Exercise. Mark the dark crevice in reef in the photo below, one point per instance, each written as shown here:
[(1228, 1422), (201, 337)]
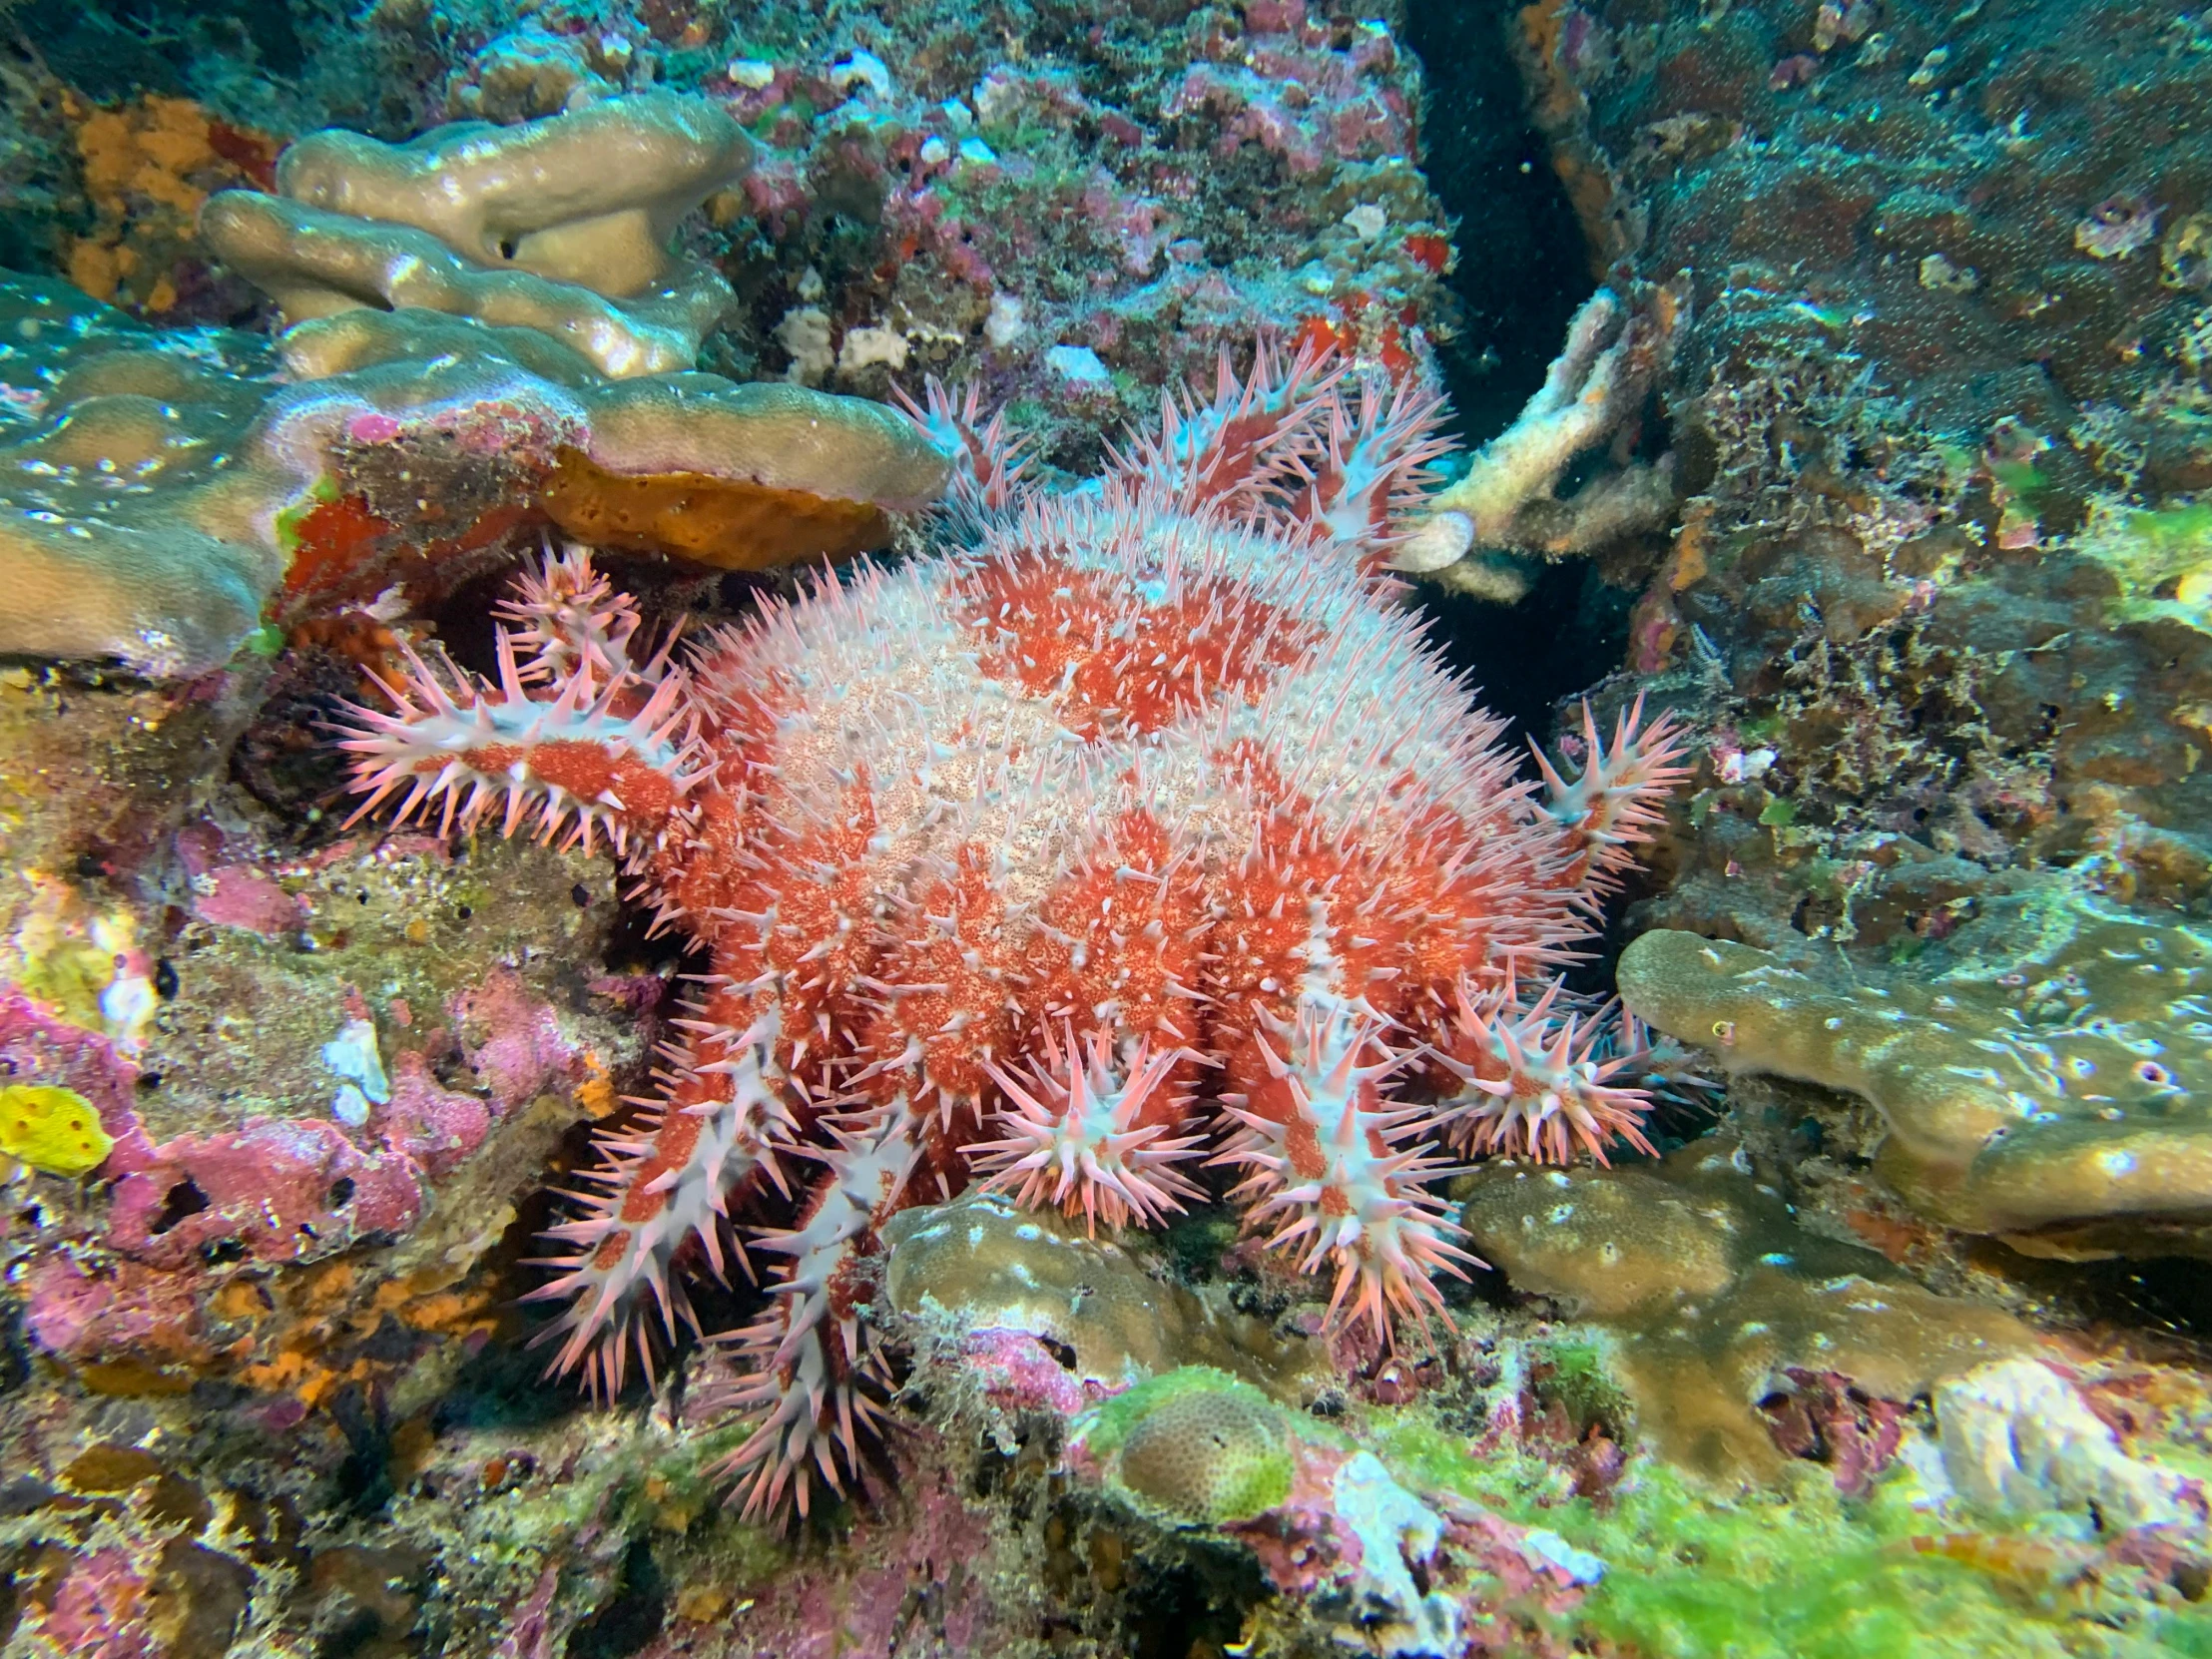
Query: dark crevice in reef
[(1524, 659), (2165, 1299), (1523, 267), (1197, 1607), (633, 1618)]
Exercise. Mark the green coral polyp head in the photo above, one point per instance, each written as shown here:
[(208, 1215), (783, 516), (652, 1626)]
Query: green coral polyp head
[(1195, 1445)]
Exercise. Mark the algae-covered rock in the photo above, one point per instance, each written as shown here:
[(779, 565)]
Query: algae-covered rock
[(1334, 1528), (2048, 1079)]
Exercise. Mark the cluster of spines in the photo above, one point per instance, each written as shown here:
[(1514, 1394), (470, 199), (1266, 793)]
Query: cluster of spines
[(1538, 1081), (1614, 802), (661, 1186), (591, 748), (808, 1373), (989, 463), (1085, 1133), (1339, 1175)]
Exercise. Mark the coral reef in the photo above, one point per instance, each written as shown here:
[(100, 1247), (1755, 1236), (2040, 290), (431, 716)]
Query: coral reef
[(2036, 1074), (1723, 1310), (1074, 210), (1089, 769), (1937, 416), (391, 1084), (1080, 1039), (1329, 1523), (982, 1270), (167, 493)]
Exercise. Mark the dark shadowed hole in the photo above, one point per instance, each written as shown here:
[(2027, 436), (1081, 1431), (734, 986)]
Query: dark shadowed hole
[(1186, 1610), (1568, 633), (1522, 266), (184, 1199), (633, 1617)]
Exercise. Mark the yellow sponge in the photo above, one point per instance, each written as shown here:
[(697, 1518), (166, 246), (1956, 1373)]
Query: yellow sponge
[(52, 1129)]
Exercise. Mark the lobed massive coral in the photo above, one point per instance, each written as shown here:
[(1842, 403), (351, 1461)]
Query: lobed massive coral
[(2038, 1077), (1139, 823), (434, 399), (562, 226)]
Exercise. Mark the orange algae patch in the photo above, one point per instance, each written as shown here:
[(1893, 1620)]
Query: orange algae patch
[(1365, 327), (596, 1094), (729, 523), (147, 164), (343, 548), (336, 539)]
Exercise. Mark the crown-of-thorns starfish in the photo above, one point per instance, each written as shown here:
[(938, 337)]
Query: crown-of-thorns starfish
[(1142, 821)]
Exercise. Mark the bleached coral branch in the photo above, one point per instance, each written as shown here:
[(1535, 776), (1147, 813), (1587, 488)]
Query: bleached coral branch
[(1616, 352)]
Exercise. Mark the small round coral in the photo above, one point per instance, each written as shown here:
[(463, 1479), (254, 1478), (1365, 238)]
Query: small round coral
[(1201, 1448)]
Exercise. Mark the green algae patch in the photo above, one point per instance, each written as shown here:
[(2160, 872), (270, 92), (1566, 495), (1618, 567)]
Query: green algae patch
[(1800, 1573), (1698, 1571), (1574, 1372), (2162, 561), (1195, 1445), (1787, 1574)]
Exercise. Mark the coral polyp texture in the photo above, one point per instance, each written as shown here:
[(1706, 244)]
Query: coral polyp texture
[(1137, 832)]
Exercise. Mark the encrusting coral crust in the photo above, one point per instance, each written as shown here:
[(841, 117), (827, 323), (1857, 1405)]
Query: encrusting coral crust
[(1145, 779)]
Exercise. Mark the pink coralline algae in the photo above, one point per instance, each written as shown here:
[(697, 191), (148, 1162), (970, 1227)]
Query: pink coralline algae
[(234, 893), (286, 1189), (71, 1311), (435, 1125), (99, 1611), (172, 1215), (1141, 832), (513, 1043), (1290, 90), (37, 1045)]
